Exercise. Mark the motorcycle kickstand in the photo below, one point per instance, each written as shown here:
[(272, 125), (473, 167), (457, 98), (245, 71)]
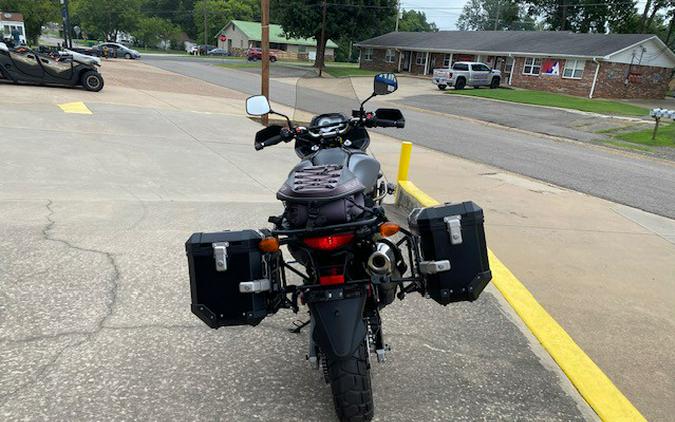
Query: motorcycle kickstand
[(299, 325)]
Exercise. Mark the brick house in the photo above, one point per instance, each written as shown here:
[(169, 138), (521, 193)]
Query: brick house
[(593, 65), (10, 24), (237, 36)]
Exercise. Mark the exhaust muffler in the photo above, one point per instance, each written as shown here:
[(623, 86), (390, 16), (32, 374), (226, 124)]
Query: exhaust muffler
[(383, 260)]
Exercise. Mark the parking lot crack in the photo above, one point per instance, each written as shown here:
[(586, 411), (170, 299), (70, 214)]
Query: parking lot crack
[(83, 336), (114, 279)]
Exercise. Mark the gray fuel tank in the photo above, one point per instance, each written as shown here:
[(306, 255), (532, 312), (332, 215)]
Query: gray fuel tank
[(364, 167)]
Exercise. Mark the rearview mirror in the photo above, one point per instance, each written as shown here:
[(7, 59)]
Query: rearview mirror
[(257, 105), (384, 83)]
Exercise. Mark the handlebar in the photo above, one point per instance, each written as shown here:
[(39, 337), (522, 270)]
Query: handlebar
[(375, 122), (268, 142)]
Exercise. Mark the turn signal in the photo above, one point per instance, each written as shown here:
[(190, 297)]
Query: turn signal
[(389, 229), (269, 244)]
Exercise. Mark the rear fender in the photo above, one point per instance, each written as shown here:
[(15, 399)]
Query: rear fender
[(339, 328)]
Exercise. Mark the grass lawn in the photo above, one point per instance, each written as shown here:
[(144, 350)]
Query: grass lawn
[(159, 51), (555, 100), (239, 65), (340, 71), (665, 137)]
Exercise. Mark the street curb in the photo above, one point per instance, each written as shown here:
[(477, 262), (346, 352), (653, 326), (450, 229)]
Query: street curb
[(591, 382)]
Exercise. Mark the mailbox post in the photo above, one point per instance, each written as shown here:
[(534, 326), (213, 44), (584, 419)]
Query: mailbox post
[(658, 114)]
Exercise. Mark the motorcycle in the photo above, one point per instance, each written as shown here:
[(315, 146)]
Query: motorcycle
[(350, 258)]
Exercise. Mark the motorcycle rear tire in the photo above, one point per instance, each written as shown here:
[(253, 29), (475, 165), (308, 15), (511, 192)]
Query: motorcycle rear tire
[(350, 384)]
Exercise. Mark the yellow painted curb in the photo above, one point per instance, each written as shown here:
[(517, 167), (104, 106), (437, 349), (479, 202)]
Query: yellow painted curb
[(593, 385), (77, 107)]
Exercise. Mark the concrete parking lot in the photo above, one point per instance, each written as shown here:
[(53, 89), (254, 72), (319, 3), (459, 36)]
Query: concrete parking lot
[(94, 296)]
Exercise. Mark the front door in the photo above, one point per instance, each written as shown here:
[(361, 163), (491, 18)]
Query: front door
[(60, 70), (407, 60), (229, 45)]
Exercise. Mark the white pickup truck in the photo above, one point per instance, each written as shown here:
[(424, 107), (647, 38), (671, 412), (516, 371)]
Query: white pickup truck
[(467, 73)]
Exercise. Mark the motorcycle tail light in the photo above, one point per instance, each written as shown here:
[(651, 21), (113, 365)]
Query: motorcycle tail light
[(328, 280), (329, 243), (331, 275)]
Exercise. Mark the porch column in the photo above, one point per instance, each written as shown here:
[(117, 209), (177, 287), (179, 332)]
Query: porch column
[(426, 64), (400, 58)]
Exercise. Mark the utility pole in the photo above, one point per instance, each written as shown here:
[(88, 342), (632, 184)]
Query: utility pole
[(265, 46), (398, 14), (499, 11), (206, 30), (322, 44), (67, 39)]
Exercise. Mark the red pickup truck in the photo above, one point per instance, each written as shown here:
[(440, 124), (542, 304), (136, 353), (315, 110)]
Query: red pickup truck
[(253, 54)]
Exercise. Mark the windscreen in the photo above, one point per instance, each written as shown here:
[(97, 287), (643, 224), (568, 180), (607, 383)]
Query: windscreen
[(324, 94)]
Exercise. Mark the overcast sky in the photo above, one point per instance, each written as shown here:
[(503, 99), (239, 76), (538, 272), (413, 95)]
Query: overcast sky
[(445, 12)]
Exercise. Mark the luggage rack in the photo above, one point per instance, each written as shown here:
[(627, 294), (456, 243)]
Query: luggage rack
[(416, 280)]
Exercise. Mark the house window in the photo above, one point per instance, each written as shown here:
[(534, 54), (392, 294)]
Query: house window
[(421, 59), (302, 49), (368, 54), (574, 69), (532, 66), (390, 55), (20, 29), (241, 43), (446, 60)]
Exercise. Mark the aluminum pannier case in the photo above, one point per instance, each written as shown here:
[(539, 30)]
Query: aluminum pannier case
[(232, 282), (454, 253)]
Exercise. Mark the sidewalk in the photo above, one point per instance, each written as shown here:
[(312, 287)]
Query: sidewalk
[(604, 271)]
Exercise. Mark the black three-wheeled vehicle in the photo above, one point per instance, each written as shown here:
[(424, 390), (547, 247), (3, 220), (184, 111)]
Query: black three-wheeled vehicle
[(23, 65)]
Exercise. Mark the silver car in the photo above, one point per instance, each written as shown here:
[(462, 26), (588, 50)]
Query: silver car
[(113, 49)]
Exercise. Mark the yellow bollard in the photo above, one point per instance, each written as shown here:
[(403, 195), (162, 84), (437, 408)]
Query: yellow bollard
[(404, 160)]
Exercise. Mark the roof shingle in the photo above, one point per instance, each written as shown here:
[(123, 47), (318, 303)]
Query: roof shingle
[(535, 42), (253, 31)]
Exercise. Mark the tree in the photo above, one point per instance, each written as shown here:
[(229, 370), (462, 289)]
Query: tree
[(107, 18), (414, 21), (153, 31), (583, 15), (36, 13), (499, 15), (178, 12), (220, 12), (352, 19)]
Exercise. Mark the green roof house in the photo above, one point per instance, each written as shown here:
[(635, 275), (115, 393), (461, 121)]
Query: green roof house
[(237, 36)]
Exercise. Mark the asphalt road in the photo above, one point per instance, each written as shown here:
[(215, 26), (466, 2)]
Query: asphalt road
[(562, 123), (628, 179), (94, 297)]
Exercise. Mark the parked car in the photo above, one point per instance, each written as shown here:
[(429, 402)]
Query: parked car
[(204, 49), (254, 53), (115, 50), (461, 74), (193, 49), (22, 65), (218, 52)]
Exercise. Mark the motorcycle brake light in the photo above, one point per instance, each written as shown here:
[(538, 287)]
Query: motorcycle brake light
[(329, 243), (327, 280)]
